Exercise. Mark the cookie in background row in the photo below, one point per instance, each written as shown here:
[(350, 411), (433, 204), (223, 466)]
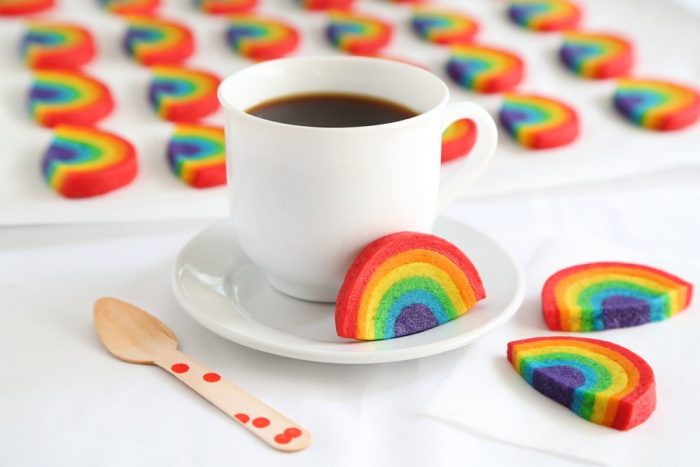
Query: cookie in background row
[(130, 7), (83, 162), (197, 156), (56, 45), (24, 7), (544, 15), (320, 5), (485, 69), (182, 94), (153, 41), (538, 122), (224, 7), (62, 96), (657, 104), (260, 37), (443, 26), (358, 34), (596, 55)]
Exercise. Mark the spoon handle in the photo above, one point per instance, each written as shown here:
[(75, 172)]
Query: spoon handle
[(257, 417)]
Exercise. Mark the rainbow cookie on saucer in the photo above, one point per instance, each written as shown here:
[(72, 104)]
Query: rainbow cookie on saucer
[(485, 69), (599, 381), (56, 45), (544, 15), (196, 155), (320, 5), (182, 94), (358, 34), (441, 26), (82, 162), (130, 7), (405, 283), (596, 55), (261, 38), (609, 295), (225, 7), (538, 122), (153, 41), (24, 7), (458, 139), (61, 96), (657, 105)]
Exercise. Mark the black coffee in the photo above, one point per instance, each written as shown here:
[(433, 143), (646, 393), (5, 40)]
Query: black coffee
[(331, 110)]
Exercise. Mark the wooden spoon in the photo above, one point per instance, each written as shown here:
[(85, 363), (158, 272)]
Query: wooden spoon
[(135, 336)]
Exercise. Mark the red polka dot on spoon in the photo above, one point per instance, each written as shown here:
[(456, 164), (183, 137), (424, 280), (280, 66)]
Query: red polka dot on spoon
[(211, 377), (180, 368), (261, 422), (283, 439), (241, 417)]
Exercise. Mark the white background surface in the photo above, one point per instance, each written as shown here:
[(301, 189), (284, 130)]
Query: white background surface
[(64, 401)]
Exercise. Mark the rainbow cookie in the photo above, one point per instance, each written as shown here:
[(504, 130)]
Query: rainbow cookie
[(442, 26), (538, 122), (83, 162), (358, 34), (485, 69), (196, 155), (405, 283), (458, 139), (326, 4), (597, 380), (596, 56), (153, 41), (544, 15), (225, 7), (598, 296), (24, 7), (130, 7), (182, 94), (657, 105), (56, 45), (261, 38), (68, 97)]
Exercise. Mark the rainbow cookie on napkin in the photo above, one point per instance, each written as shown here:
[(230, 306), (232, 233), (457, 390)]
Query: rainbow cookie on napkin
[(609, 295), (56, 45), (458, 139), (595, 55), (441, 26), (405, 283), (182, 94), (358, 34), (485, 69), (538, 122), (153, 41), (599, 381), (261, 38), (83, 162), (196, 155), (58, 96), (544, 15), (130, 7), (24, 7), (657, 105), (224, 7)]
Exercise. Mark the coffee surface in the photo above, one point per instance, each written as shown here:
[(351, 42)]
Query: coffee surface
[(331, 110)]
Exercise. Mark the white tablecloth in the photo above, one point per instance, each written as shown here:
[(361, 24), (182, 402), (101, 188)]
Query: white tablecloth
[(64, 401)]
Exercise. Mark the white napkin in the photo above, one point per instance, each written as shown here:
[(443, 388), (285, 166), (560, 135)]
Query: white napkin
[(484, 394)]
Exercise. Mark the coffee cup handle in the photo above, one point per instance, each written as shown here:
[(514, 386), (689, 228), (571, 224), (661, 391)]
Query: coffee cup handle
[(478, 158)]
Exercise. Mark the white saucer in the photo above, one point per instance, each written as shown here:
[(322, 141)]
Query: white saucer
[(221, 289)]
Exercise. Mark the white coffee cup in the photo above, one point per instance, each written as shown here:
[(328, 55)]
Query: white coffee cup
[(306, 200)]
